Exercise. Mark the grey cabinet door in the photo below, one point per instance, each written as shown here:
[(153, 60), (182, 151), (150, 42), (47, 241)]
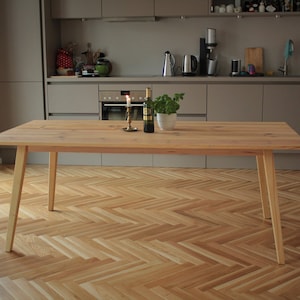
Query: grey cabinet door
[(282, 104), (21, 78), (76, 9), (175, 8), (20, 33), (193, 108), (234, 102), (194, 102), (20, 102), (127, 8)]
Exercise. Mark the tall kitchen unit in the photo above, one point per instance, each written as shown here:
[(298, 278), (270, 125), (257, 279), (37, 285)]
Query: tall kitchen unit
[(21, 76)]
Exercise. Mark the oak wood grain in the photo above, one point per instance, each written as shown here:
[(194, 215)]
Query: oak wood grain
[(187, 138), (199, 234)]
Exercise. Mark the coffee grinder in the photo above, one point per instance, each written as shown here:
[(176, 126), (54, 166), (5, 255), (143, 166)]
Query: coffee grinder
[(206, 59)]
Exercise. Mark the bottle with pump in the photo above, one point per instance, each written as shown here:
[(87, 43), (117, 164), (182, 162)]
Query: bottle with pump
[(148, 114)]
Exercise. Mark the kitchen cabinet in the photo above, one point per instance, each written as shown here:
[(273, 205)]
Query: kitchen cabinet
[(73, 100), (192, 107), (194, 102), (20, 51), (21, 79), (176, 8), (76, 9), (281, 104), (233, 102), (248, 9), (127, 8), (20, 103)]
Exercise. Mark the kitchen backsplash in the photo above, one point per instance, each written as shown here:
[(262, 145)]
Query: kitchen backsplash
[(137, 48)]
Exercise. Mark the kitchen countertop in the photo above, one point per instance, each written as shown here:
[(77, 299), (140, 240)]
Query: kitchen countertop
[(183, 79)]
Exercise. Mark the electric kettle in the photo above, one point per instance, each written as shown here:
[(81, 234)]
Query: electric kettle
[(169, 64), (189, 65)]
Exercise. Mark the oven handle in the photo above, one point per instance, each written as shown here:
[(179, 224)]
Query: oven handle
[(122, 104)]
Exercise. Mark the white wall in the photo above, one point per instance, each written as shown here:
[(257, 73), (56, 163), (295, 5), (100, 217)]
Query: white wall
[(137, 48)]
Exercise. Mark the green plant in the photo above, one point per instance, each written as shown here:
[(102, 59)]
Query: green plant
[(165, 104)]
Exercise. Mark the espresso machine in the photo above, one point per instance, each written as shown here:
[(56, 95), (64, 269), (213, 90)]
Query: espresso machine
[(207, 58)]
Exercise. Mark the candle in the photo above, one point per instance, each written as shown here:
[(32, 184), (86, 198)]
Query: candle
[(128, 101)]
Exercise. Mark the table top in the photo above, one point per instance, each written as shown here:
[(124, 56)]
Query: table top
[(189, 137)]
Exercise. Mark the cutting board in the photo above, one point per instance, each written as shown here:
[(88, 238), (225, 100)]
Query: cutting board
[(255, 56)]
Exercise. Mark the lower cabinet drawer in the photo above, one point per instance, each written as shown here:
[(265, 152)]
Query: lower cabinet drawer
[(73, 117), (72, 98)]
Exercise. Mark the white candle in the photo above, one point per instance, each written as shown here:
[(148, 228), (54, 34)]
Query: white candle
[(128, 101)]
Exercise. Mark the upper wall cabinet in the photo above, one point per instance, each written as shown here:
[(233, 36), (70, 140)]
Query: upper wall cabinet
[(177, 8), (127, 8), (254, 7), (76, 9)]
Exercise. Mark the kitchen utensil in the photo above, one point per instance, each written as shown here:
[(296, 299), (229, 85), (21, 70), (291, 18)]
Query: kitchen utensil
[(254, 56), (289, 49), (169, 64), (212, 66), (235, 67), (103, 66), (288, 52), (189, 65)]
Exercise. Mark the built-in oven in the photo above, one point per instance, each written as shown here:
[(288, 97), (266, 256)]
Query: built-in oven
[(113, 105)]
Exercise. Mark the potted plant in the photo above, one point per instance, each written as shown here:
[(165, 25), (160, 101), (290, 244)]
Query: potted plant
[(166, 108)]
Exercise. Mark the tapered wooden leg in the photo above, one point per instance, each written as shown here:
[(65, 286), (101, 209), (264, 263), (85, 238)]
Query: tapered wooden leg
[(19, 171), (268, 160), (263, 186), (52, 179)]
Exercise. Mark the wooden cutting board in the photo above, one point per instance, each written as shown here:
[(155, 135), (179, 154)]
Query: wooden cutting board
[(255, 56)]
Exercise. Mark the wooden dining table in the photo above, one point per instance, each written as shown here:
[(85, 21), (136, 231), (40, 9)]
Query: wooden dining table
[(259, 139)]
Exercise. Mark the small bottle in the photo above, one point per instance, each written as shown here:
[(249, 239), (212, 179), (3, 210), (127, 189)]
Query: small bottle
[(148, 115), (261, 7)]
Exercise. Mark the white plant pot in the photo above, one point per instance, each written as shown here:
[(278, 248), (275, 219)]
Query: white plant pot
[(165, 121)]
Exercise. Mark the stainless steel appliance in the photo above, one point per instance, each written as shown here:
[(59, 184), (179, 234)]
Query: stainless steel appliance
[(207, 47), (235, 67), (169, 64), (189, 65), (112, 103)]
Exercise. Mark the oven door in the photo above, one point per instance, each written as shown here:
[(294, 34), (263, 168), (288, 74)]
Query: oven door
[(118, 111)]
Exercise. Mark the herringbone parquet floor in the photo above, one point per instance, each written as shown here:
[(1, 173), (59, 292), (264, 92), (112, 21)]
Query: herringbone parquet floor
[(148, 233)]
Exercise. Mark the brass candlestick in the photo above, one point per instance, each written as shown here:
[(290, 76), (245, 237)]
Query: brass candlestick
[(129, 128)]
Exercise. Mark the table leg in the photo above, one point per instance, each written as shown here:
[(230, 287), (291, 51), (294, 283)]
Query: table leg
[(270, 176), (263, 186), (19, 172), (52, 179)]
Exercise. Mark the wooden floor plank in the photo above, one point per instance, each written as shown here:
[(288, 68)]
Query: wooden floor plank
[(148, 233)]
